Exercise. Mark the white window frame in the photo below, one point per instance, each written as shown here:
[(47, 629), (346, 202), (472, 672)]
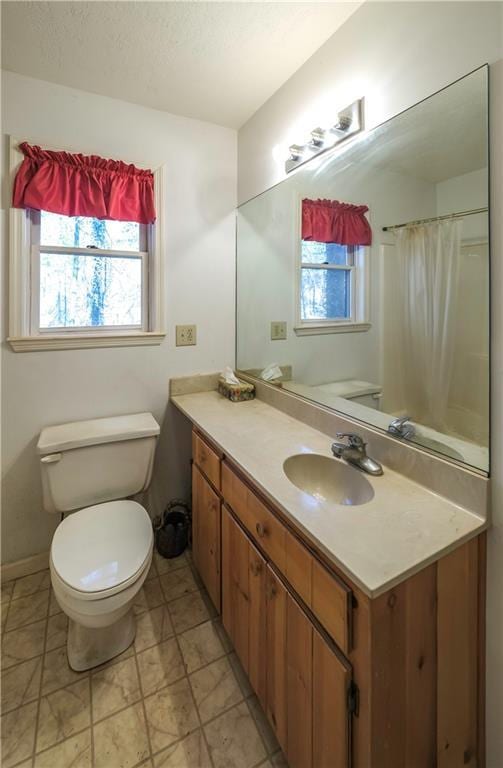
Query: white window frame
[(359, 320), (24, 332)]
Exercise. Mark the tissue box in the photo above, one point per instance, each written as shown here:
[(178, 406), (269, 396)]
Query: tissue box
[(236, 392)]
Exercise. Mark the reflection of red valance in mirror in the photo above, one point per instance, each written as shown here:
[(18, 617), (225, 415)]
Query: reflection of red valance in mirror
[(328, 221), (79, 185)]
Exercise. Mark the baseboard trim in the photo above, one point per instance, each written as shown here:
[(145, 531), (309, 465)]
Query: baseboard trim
[(25, 567)]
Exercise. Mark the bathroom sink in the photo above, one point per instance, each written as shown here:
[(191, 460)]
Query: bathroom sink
[(436, 445), (328, 479)]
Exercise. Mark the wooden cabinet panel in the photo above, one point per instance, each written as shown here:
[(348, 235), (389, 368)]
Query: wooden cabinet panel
[(244, 601), (331, 604), (298, 571), (276, 657), (206, 534), (206, 459), (299, 687), (331, 679), (262, 525)]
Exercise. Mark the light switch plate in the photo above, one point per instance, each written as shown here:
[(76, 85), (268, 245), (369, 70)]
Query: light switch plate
[(186, 335), (278, 330)]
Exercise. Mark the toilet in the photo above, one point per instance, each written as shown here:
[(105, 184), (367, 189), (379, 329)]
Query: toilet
[(101, 552)]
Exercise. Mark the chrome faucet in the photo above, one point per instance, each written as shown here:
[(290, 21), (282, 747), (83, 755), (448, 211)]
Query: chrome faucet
[(402, 428), (354, 453)]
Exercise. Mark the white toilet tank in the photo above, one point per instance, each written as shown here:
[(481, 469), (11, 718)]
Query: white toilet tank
[(89, 462)]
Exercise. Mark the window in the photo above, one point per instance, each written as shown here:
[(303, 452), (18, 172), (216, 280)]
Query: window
[(88, 274), (77, 281), (331, 288)]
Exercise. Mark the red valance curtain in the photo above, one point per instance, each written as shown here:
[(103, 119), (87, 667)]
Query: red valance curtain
[(328, 221), (80, 185)]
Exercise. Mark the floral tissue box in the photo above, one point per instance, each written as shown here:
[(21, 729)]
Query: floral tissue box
[(236, 392)]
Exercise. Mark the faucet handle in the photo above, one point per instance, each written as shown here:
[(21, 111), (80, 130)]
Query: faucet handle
[(355, 441), (400, 421)]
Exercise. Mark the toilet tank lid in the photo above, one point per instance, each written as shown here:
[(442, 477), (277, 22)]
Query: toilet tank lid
[(65, 437)]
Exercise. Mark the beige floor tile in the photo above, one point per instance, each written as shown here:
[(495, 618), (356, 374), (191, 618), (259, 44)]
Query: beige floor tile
[(35, 582), (165, 565), (18, 734), (54, 605), (57, 630), (27, 610), (153, 627), (215, 689), (265, 730), (149, 597), (21, 684), (200, 646), (63, 713), (115, 688), (4, 608), (171, 714), (191, 752), (121, 741), (160, 665), (152, 571), (178, 583), (234, 740), (22, 644), (6, 591), (57, 672), (188, 611), (76, 752)]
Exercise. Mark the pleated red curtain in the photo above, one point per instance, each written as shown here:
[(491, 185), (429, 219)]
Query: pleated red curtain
[(329, 221), (80, 185)]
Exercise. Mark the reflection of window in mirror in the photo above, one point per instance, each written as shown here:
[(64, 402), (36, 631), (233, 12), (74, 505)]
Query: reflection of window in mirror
[(332, 288)]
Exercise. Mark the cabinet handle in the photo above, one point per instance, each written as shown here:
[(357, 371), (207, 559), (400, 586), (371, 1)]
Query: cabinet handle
[(261, 531)]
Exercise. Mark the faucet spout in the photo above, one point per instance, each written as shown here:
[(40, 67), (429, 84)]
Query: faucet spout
[(354, 452)]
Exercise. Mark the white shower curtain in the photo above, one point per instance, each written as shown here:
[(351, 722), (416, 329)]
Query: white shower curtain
[(428, 258)]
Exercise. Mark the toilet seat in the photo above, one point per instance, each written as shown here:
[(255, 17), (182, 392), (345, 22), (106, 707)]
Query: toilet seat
[(102, 550)]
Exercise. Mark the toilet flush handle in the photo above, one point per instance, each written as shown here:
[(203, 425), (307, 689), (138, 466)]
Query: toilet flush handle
[(52, 458)]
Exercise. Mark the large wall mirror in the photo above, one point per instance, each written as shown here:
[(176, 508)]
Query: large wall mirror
[(363, 278)]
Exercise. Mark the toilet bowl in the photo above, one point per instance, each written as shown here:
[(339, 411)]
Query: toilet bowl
[(100, 554), (100, 557)]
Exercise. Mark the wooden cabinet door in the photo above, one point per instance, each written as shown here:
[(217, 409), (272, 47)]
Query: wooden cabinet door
[(206, 534), (299, 686), (331, 679), (275, 706), (244, 601)]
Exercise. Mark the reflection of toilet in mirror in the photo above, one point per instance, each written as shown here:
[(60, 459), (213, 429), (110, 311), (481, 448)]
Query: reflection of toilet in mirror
[(101, 554)]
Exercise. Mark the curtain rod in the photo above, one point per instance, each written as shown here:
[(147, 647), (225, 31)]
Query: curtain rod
[(436, 218)]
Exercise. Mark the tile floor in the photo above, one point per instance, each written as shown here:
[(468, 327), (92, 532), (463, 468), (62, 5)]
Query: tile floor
[(178, 698)]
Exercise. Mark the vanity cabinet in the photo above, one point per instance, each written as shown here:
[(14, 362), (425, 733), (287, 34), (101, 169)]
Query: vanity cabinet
[(392, 681), (206, 519), (298, 678)]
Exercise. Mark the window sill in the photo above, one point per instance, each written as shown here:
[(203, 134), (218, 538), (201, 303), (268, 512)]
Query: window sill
[(319, 330), (52, 342)]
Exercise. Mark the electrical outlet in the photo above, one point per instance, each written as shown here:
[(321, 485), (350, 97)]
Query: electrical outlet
[(278, 330), (186, 335)]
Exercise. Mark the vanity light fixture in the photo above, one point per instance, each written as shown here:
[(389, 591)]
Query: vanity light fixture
[(349, 122)]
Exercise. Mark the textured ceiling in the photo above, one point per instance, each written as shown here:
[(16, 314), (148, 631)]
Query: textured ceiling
[(215, 61)]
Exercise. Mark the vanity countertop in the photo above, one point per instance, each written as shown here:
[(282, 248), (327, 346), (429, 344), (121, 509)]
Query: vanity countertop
[(377, 544)]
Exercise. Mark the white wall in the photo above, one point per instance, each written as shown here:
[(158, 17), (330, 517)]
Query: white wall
[(41, 388), (393, 54), (396, 54)]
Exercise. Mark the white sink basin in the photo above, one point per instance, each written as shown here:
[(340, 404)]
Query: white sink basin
[(328, 479)]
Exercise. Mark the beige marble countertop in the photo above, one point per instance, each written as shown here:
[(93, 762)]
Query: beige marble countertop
[(378, 544)]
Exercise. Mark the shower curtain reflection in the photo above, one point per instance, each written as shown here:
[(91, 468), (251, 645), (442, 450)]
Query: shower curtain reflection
[(428, 279)]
